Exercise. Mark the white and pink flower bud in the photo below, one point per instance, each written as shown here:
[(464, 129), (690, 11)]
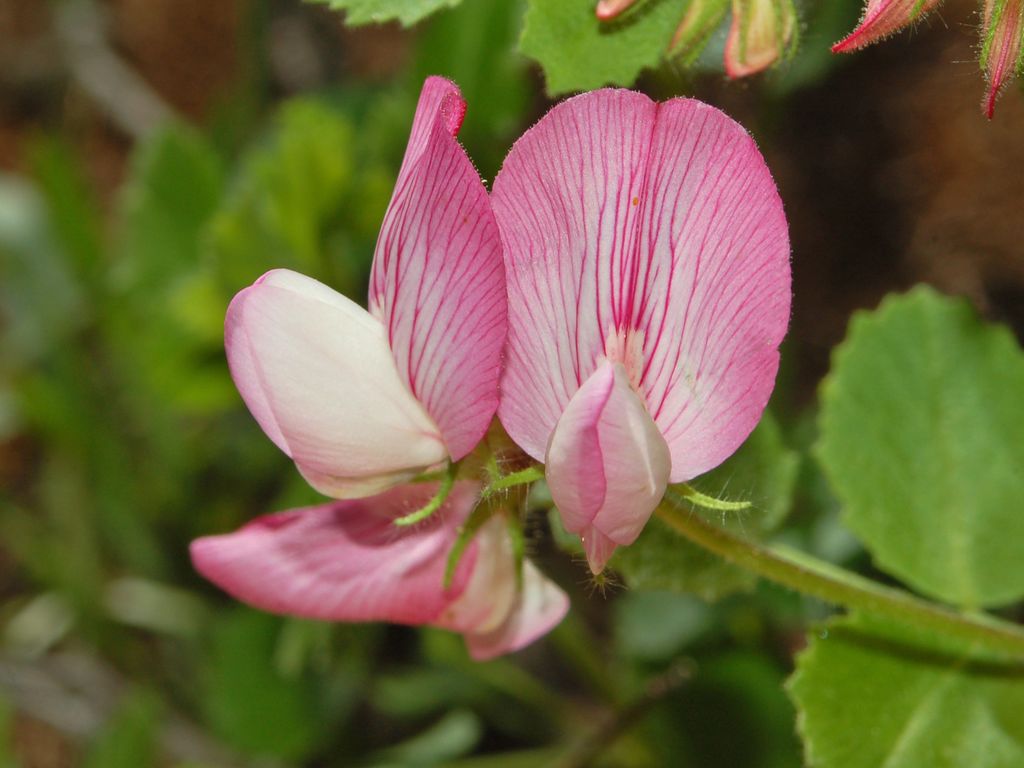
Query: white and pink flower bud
[(762, 32)]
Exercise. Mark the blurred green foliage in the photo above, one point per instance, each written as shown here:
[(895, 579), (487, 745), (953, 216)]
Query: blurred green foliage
[(122, 439)]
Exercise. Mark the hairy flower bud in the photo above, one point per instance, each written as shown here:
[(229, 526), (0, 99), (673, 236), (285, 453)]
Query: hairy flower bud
[(1001, 47)]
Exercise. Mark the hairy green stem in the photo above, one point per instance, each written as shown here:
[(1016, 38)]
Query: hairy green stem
[(693, 496), (522, 477), (439, 498), (814, 577)]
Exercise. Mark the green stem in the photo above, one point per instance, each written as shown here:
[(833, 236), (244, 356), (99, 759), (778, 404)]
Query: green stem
[(439, 498), (522, 477), (480, 515), (693, 496), (836, 585)]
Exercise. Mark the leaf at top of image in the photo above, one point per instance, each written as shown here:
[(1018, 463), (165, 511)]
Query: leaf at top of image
[(578, 52), (921, 424), (406, 12), (873, 694)]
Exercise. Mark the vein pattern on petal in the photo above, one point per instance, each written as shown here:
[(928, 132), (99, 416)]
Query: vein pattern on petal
[(658, 222), (437, 282)]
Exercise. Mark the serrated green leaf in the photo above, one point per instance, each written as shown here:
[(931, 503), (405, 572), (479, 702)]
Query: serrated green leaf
[(871, 694), (921, 438), (406, 12), (578, 52), (762, 471)]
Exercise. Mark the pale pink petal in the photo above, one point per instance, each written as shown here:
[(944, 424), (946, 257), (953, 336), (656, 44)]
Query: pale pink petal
[(1002, 50), (316, 371), (438, 280), (345, 561), (883, 18), (491, 592), (607, 465), (539, 608), (652, 234)]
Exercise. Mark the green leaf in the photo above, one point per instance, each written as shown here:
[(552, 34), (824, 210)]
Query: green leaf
[(248, 702), (40, 298), (921, 438), (871, 694), (762, 471), (288, 193), (73, 211), (175, 187), (407, 12), (7, 758), (578, 52), (654, 626), (453, 736), (128, 740)]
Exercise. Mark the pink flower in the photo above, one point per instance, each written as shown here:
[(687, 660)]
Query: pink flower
[(881, 19), (364, 400), (1002, 47), (347, 561), (647, 259)]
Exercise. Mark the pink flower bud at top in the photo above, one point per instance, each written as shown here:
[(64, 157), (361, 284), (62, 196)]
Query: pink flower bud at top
[(762, 32), (1001, 47), (883, 18)]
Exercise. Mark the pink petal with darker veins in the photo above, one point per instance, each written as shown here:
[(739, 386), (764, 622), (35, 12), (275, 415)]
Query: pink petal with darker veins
[(655, 230), (438, 281), (345, 561), (607, 465)]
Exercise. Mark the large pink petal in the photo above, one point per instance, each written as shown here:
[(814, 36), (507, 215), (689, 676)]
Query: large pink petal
[(316, 371), (651, 234), (438, 279), (540, 606), (345, 561), (607, 465)]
